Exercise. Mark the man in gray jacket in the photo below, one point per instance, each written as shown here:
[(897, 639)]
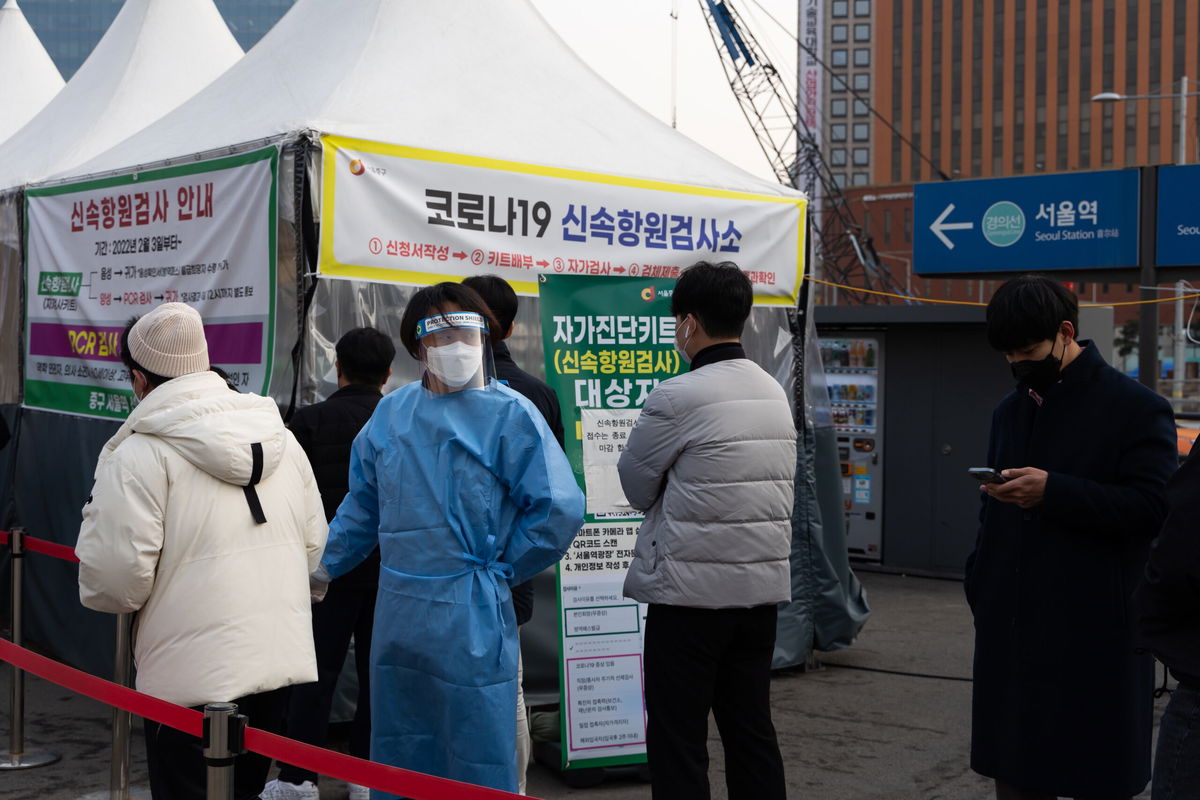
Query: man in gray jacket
[(711, 461)]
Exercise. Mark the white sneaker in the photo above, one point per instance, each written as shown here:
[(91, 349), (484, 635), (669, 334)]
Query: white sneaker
[(358, 792), (282, 790)]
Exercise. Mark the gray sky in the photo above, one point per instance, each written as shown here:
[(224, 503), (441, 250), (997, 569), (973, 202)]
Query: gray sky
[(629, 43)]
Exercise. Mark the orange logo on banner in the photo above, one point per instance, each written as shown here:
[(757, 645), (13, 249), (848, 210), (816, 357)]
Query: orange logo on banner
[(648, 294), (357, 167)]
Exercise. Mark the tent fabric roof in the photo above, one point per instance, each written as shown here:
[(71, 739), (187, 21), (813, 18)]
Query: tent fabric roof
[(33, 78), (155, 55), (488, 79)]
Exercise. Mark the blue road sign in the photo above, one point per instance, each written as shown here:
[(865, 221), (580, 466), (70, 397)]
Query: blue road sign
[(1178, 243), (1077, 220)]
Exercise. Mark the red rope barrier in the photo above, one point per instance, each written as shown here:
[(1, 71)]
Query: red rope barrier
[(107, 692), (325, 762), (366, 773), (53, 549)]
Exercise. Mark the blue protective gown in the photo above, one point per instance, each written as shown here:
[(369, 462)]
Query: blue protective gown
[(465, 494)]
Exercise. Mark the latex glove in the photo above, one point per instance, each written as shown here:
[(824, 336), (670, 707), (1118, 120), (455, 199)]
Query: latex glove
[(318, 584)]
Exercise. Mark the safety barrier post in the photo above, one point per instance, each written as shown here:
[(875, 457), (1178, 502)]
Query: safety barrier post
[(224, 739), (121, 720), (17, 757)]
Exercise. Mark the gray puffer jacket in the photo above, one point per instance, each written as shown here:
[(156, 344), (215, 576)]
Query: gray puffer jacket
[(712, 460)]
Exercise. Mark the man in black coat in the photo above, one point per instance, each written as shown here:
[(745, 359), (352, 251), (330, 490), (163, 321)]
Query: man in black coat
[(1168, 606), (326, 430), (502, 300), (1062, 703)]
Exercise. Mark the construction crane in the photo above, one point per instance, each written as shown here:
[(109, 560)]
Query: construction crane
[(842, 249)]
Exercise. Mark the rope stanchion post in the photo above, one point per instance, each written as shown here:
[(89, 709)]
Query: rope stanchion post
[(121, 719), (17, 758), (224, 739)]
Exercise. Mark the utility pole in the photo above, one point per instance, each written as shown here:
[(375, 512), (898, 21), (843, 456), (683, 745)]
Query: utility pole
[(1180, 358)]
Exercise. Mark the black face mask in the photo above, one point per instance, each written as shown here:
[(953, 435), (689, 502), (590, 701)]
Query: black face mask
[(1038, 375)]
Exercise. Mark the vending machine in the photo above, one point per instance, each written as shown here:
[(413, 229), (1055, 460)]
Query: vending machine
[(854, 372)]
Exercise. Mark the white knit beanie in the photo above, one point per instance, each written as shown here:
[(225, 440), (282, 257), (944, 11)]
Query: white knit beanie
[(169, 341)]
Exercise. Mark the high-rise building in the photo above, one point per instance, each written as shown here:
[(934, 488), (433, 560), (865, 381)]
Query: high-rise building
[(849, 52), (989, 88), (69, 29)]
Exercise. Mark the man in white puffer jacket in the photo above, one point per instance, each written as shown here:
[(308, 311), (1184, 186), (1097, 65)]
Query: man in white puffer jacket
[(205, 519), (712, 461)]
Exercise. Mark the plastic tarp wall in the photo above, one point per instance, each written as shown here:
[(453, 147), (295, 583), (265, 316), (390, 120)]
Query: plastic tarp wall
[(10, 343), (11, 312), (829, 605), (56, 458)]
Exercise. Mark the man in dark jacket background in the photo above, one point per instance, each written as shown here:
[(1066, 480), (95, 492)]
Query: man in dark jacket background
[(326, 430), (1061, 702), (1168, 606), (502, 300)]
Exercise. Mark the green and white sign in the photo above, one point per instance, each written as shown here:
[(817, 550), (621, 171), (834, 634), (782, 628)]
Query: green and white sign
[(608, 342), (100, 252), (1003, 223)]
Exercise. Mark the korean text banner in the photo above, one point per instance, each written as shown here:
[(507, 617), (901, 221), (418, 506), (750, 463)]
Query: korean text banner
[(100, 252), (421, 216), (608, 343)]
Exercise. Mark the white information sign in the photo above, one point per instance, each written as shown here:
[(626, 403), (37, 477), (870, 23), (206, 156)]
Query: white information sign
[(605, 431), (602, 647), (100, 252), (416, 216)]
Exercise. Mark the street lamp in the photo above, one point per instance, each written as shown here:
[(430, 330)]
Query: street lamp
[(1148, 329), (1183, 94)]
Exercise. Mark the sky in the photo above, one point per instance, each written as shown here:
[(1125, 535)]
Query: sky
[(628, 42)]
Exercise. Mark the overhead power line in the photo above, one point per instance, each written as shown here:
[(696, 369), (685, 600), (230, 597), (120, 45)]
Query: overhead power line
[(866, 102)]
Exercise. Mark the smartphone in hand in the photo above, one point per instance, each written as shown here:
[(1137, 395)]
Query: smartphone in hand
[(986, 475)]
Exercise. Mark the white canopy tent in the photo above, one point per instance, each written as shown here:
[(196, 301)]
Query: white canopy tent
[(489, 79), (22, 56), (155, 55)]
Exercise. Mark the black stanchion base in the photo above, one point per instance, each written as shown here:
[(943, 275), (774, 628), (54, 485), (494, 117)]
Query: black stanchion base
[(549, 755), (27, 760)]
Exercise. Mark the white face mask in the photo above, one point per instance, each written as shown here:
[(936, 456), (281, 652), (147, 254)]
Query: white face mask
[(681, 349), (456, 363)]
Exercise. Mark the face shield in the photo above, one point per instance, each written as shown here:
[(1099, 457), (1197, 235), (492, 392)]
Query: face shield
[(456, 352)]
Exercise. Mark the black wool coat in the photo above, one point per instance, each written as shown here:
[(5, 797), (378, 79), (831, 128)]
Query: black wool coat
[(326, 430), (1168, 600), (1062, 702)]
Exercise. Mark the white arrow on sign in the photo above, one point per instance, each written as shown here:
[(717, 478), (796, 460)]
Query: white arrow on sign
[(939, 225)]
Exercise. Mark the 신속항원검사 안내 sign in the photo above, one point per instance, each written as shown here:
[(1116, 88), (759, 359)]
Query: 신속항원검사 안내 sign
[(100, 252)]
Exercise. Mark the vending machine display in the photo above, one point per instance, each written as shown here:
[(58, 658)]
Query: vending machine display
[(854, 370)]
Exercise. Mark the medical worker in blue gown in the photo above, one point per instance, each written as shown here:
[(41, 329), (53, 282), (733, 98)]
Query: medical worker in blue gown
[(460, 482)]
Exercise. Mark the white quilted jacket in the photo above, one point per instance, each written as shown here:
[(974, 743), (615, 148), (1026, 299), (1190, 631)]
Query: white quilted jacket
[(222, 603)]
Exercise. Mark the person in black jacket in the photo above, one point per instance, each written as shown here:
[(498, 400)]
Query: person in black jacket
[(502, 300), (1061, 701), (1168, 606), (326, 430)]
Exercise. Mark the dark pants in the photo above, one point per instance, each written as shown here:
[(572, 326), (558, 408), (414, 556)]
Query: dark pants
[(1177, 758), (697, 660), (346, 610), (176, 760)]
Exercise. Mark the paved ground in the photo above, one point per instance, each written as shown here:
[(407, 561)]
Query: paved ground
[(888, 718)]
